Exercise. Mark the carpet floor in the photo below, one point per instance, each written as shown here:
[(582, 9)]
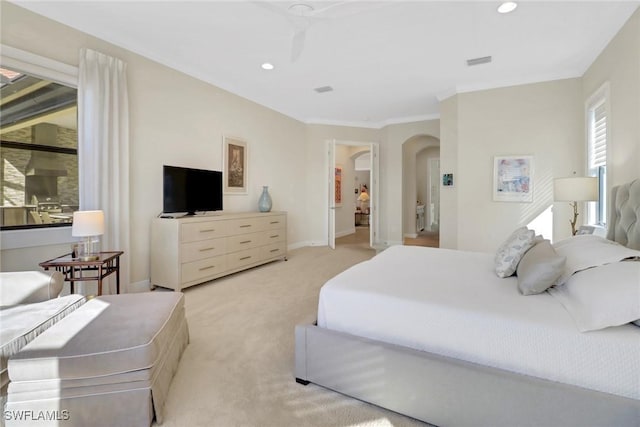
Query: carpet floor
[(238, 367)]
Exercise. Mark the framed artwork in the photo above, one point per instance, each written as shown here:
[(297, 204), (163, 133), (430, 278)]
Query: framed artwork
[(234, 165), (447, 179), (338, 189), (512, 179)]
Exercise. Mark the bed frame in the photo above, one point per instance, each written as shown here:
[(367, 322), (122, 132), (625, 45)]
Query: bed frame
[(450, 392)]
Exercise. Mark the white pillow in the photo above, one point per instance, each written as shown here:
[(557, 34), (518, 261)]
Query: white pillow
[(587, 251), (539, 269), (511, 251), (601, 297)]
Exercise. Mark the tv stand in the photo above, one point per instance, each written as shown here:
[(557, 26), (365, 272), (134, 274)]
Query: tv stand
[(194, 249)]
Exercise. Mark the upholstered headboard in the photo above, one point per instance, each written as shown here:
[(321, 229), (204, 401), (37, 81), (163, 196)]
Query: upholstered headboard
[(624, 215)]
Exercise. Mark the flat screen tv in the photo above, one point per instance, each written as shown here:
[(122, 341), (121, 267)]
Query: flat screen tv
[(191, 190)]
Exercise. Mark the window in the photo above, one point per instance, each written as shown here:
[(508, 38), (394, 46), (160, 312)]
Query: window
[(597, 134), (38, 151)]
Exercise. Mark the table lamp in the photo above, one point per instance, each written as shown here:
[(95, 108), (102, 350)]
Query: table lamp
[(363, 198), (575, 189), (87, 224)]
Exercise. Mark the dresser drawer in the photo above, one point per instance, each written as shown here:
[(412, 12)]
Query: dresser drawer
[(203, 230), (273, 236), (273, 222), (203, 268), (242, 258), (203, 249), (243, 241), (273, 251), (243, 226)]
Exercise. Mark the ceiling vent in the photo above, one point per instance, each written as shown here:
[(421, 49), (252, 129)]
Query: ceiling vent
[(478, 61), (323, 89)]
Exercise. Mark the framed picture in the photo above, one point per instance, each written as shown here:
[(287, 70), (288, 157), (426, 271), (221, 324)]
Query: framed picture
[(234, 165), (338, 193), (447, 179), (512, 179)]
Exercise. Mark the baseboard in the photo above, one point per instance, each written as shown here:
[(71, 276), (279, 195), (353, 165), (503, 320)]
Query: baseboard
[(299, 245), (345, 232), (411, 235)]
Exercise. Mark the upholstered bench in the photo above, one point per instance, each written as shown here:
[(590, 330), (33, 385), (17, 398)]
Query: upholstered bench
[(108, 363)]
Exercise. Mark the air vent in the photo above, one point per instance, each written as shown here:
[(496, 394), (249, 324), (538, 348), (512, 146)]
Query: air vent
[(478, 61), (323, 89)]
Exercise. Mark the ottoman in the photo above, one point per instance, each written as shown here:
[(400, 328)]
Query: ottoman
[(109, 363)]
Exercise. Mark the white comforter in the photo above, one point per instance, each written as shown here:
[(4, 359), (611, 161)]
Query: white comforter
[(453, 304)]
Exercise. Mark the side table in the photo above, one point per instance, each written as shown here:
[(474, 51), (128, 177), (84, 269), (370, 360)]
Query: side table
[(73, 269)]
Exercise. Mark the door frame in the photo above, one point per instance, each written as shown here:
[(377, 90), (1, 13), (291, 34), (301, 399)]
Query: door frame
[(374, 174)]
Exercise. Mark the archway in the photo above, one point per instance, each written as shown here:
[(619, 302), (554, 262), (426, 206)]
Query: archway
[(420, 190)]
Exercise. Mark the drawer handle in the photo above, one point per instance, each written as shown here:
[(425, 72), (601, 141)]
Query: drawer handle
[(274, 222), (274, 236), (208, 230), (274, 250), (243, 258), (244, 242), (245, 226), (206, 249), (207, 268)]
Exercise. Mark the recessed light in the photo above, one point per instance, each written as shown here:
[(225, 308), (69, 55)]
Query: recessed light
[(507, 7), (323, 89), (267, 66)]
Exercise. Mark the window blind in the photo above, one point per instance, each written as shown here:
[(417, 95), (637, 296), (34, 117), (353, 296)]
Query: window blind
[(598, 140)]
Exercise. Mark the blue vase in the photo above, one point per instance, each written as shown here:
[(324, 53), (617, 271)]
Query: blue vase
[(264, 204)]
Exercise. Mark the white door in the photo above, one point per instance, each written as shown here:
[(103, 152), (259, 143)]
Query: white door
[(331, 161)]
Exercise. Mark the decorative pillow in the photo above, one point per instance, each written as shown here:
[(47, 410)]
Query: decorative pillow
[(601, 297), (587, 251), (511, 251), (539, 269)]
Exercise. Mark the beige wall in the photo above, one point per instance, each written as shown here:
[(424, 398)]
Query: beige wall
[(449, 164), (178, 120), (619, 64), (543, 120)]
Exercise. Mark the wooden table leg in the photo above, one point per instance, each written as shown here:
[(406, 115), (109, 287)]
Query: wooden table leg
[(117, 275), (99, 280)]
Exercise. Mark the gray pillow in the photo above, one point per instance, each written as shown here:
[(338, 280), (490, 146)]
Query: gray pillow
[(509, 253), (539, 269)]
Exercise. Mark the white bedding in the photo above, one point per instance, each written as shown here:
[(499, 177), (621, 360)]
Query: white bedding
[(453, 304)]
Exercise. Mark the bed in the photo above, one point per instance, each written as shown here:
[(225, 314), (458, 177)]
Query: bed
[(435, 334)]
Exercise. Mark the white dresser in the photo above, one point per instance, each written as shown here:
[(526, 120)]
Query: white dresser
[(191, 250)]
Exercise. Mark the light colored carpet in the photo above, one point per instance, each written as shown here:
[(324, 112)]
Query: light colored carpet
[(238, 367)]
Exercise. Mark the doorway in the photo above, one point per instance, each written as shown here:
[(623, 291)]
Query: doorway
[(352, 202), (421, 191)]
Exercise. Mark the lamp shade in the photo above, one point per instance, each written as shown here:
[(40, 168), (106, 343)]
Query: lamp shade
[(87, 223), (575, 189), (363, 197)]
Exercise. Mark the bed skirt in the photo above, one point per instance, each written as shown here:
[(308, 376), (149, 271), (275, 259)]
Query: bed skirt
[(446, 391)]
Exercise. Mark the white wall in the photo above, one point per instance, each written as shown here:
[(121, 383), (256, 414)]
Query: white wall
[(619, 64)]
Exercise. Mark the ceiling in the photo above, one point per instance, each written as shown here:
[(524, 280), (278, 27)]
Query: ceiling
[(387, 62)]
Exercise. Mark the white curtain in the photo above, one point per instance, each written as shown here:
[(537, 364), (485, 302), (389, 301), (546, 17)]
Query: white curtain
[(103, 150)]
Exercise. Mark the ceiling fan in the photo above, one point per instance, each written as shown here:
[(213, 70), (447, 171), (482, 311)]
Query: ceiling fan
[(302, 15)]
